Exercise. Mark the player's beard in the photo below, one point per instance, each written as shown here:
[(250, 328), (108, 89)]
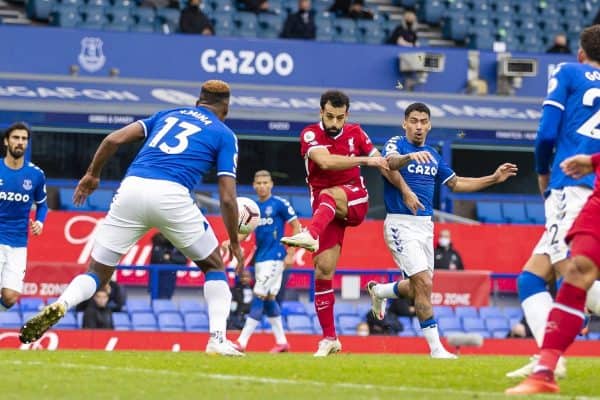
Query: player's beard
[(16, 152), (332, 132)]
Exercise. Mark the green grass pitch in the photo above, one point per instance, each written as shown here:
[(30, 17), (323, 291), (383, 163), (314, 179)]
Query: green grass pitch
[(91, 375)]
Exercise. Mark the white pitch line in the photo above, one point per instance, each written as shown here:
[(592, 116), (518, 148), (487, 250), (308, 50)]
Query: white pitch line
[(283, 381)]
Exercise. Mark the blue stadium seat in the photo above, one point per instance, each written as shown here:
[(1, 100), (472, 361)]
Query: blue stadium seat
[(466, 312), (119, 15), (443, 311), (344, 30), (363, 308), (224, 26), (170, 321), (245, 21), (302, 205), (489, 211), (348, 323), (160, 306), (69, 321), (138, 306), (98, 3), (197, 322), (431, 12), (143, 321), (141, 27), (514, 213), (406, 323), (10, 320), (370, 31), (342, 307), (31, 303), (65, 16), (535, 213), (191, 305), (525, 8), (121, 321), (144, 15), (449, 324), (317, 326), (497, 324), (310, 309), (473, 324), (455, 28), (499, 334), (490, 311), (93, 15), (270, 25), (513, 312), (123, 4), (39, 9), (100, 200), (324, 31), (481, 39), (300, 324), (292, 308), (532, 44), (117, 26), (169, 17)]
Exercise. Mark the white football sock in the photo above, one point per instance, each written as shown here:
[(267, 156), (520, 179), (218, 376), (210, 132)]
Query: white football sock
[(432, 336), (593, 298), (218, 300), (536, 309), (277, 328), (386, 290), (247, 331), (81, 288)]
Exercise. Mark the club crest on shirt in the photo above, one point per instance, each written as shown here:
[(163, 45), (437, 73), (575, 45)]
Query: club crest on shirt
[(268, 210), (351, 145), (27, 185), (309, 136)]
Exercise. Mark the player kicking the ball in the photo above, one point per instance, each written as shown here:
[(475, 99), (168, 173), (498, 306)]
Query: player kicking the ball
[(333, 151)]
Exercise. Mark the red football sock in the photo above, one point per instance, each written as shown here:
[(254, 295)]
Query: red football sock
[(564, 323), (324, 214), (324, 301)]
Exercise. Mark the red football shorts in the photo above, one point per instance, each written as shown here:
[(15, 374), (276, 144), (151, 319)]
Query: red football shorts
[(584, 235), (358, 205)]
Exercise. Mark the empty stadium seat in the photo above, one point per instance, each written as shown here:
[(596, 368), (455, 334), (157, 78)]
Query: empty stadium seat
[(449, 324), (514, 213), (224, 26), (317, 326), (344, 30), (513, 312), (497, 324), (138, 306), (10, 320), (191, 305), (121, 321), (455, 28), (370, 31), (491, 311), (168, 17), (535, 212), (69, 321), (443, 311), (471, 324), (164, 306), (489, 211), (144, 15), (196, 322), (348, 323), (270, 25), (143, 321), (292, 308), (39, 9), (170, 321), (466, 312), (300, 324), (431, 12), (342, 307), (31, 303)]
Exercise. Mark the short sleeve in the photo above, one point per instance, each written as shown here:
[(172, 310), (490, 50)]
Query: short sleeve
[(366, 146), (558, 86), (391, 147), (227, 156), (149, 123), (308, 141), (287, 211), (444, 171)]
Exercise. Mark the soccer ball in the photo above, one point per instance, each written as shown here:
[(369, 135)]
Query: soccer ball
[(249, 215)]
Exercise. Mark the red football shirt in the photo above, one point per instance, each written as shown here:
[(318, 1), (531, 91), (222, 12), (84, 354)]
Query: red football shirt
[(351, 141)]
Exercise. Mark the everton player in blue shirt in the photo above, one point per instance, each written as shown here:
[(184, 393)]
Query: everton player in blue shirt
[(569, 126), (270, 260), (21, 185), (181, 145), (408, 226)]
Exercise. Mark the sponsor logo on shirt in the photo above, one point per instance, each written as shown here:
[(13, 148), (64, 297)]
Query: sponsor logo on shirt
[(12, 196)]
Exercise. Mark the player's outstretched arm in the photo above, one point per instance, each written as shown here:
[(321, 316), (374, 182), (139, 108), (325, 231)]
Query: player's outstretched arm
[(579, 165), (133, 132), (327, 161), (462, 184), (229, 212), (397, 161)]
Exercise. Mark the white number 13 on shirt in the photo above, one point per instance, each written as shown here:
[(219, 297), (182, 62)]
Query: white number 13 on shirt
[(182, 137)]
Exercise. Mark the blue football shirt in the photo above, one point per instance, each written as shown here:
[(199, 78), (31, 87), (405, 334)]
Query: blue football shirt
[(19, 189), (421, 178), (275, 212), (182, 144), (574, 88)]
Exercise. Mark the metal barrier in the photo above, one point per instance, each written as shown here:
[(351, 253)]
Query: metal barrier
[(389, 274)]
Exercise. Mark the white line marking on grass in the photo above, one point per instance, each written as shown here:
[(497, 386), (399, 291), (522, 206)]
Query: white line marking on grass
[(283, 381)]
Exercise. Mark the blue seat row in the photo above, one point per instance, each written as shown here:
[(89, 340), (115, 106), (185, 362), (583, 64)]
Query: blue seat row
[(510, 212)]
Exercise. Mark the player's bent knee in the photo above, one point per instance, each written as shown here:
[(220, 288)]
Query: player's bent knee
[(105, 256), (10, 297)]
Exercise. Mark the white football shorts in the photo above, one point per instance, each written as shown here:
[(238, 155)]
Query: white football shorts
[(141, 204), (13, 261), (561, 208), (267, 277), (410, 239)]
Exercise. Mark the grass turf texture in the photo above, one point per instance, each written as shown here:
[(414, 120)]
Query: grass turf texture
[(164, 375)]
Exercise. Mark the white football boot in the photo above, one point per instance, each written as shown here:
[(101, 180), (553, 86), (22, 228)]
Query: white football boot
[(327, 347), (560, 371), (302, 239), (377, 304), (223, 348)]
